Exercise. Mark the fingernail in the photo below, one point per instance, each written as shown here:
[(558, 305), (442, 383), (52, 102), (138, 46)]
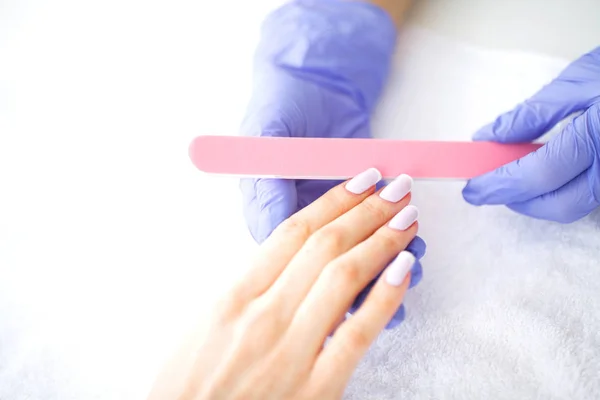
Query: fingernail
[(396, 190), (405, 218), (399, 268), (363, 181)]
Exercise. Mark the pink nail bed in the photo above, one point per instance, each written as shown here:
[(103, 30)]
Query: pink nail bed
[(396, 190), (363, 181), (399, 268), (405, 218)]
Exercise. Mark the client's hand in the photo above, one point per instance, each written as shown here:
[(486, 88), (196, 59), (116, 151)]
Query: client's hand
[(266, 340)]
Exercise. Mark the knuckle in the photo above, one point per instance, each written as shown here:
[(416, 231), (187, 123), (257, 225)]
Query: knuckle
[(346, 272), (228, 307), (257, 319), (335, 198), (255, 312), (375, 209), (384, 303), (356, 338), (293, 227), (332, 239), (389, 239)]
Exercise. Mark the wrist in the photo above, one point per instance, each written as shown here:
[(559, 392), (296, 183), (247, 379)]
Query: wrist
[(396, 9), (345, 45)]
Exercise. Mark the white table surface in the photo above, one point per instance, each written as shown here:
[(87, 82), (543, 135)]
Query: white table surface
[(557, 28), (110, 241)]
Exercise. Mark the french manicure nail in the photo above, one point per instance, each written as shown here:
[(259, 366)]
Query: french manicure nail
[(405, 218), (396, 190), (363, 181), (399, 268)]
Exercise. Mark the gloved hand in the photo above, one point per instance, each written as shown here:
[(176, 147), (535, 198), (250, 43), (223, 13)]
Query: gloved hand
[(560, 181), (319, 69)]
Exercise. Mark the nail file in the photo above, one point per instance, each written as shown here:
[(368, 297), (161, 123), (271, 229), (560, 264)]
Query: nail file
[(328, 158)]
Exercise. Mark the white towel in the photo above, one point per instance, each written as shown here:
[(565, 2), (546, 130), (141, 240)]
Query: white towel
[(509, 307)]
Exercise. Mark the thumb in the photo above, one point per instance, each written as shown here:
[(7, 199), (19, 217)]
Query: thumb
[(575, 89), (562, 159), (267, 203)]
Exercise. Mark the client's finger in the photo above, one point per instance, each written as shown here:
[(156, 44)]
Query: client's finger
[(335, 239), (353, 338)]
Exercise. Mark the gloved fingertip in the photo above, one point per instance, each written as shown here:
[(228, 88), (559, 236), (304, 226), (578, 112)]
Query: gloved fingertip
[(417, 247), (362, 295), (267, 203), (485, 133), (472, 194), (416, 274), (269, 219), (263, 229), (397, 319)]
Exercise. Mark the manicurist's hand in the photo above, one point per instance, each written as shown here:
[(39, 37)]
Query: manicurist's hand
[(319, 70), (561, 181), (266, 340)]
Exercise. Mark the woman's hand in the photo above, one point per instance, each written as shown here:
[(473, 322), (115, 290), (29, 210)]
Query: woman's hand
[(266, 340)]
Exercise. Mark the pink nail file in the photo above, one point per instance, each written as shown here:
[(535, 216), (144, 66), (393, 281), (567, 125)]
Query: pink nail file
[(319, 158)]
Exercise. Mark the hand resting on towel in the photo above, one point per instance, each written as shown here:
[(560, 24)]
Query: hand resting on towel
[(281, 331)]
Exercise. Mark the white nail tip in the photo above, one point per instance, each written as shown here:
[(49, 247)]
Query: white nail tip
[(363, 181), (399, 268), (396, 190), (405, 218)]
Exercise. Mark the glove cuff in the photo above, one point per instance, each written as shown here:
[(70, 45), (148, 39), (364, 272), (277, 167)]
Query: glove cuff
[(342, 45)]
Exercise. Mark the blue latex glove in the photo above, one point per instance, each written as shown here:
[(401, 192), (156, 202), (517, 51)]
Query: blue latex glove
[(319, 69), (561, 181)]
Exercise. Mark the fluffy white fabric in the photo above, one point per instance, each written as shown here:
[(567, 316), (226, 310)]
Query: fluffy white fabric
[(509, 307)]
